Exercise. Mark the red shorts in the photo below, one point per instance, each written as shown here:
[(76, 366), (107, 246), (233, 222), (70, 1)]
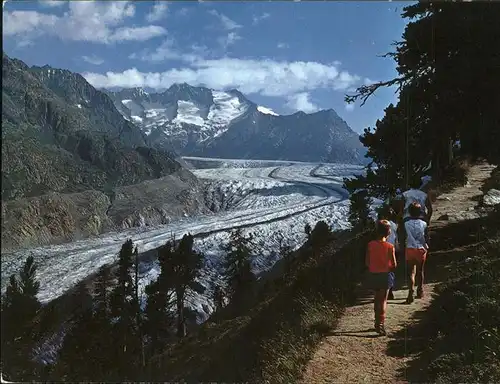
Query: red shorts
[(415, 254)]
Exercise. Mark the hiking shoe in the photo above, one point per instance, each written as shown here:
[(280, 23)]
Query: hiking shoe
[(390, 296), (381, 330), (409, 299)]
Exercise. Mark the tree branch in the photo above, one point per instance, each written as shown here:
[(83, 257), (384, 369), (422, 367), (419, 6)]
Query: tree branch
[(365, 91)]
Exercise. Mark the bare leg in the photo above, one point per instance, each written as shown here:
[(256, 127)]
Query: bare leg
[(381, 300), (383, 305), (411, 267), (420, 278)]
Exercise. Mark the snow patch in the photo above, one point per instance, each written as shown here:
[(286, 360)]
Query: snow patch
[(226, 108), (79, 106), (266, 111), (188, 113)]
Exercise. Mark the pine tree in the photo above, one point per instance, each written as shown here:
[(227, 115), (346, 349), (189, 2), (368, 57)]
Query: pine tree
[(286, 254), (219, 297), (183, 265), (448, 79), (102, 296), (102, 347), (307, 230), (321, 234), (159, 302), (123, 308), (19, 307), (76, 360), (359, 212), (238, 268)]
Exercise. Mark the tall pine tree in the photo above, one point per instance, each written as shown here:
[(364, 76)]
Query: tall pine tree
[(159, 303), (237, 265), (19, 307), (123, 308), (447, 63)]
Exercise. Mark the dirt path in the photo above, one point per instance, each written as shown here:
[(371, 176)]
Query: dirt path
[(354, 353)]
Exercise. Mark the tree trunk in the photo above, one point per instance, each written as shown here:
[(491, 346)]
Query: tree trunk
[(181, 324)]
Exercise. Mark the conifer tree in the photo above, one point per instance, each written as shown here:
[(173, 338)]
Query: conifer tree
[(183, 265), (359, 212), (123, 308), (286, 254), (102, 350), (307, 230), (238, 268), (159, 302), (76, 358), (321, 234), (448, 77), (218, 297), (19, 307)]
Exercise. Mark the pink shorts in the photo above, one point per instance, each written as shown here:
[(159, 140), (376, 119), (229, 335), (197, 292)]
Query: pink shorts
[(415, 254)]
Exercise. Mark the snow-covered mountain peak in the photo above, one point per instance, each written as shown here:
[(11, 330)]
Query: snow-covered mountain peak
[(198, 121)]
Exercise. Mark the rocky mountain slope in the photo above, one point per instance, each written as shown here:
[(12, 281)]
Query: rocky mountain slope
[(62, 137), (197, 121)]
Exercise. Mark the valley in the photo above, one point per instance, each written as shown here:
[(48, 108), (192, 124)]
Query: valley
[(272, 200)]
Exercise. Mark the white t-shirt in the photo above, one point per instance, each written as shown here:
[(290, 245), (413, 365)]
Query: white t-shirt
[(393, 236), (414, 196), (415, 234)]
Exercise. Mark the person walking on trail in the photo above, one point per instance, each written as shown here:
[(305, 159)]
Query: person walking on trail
[(389, 215), (381, 260), (417, 238)]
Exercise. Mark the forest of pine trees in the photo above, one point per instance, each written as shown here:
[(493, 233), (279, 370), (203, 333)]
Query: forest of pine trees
[(448, 78), (110, 333)]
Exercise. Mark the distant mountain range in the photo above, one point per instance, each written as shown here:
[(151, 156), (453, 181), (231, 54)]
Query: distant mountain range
[(197, 121), (73, 166), (77, 161)]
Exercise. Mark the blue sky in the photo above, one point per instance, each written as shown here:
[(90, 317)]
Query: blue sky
[(287, 56)]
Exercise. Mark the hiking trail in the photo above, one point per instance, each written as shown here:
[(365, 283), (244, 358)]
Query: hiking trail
[(353, 352)]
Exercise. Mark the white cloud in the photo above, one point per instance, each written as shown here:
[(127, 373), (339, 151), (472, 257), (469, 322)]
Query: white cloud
[(158, 12), (52, 3), (265, 77), (98, 22), (93, 60), (137, 33), (25, 22), (283, 45), (258, 18), (231, 38), (226, 22), (168, 51), (301, 102), (349, 107)]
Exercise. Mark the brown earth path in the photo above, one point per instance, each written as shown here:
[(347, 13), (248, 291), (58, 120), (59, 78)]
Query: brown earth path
[(354, 353)]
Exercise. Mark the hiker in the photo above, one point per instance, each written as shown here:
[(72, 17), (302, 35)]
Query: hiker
[(389, 215), (381, 260), (417, 238)]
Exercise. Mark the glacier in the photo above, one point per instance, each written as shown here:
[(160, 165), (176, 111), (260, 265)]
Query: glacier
[(272, 200)]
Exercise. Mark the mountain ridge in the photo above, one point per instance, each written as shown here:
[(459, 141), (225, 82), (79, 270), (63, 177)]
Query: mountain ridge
[(72, 166), (198, 121)]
